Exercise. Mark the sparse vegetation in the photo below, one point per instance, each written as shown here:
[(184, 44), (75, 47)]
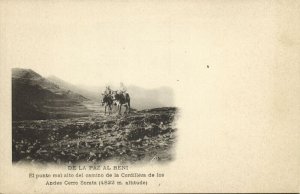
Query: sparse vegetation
[(141, 135)]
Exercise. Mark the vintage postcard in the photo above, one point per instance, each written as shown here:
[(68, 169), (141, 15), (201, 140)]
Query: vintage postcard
[(149, 96)]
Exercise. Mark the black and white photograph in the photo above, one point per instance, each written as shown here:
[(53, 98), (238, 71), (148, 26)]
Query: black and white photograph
[(57, 122)]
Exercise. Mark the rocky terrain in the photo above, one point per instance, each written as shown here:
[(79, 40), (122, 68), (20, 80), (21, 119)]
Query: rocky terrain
[(146, 135), (53, 122)]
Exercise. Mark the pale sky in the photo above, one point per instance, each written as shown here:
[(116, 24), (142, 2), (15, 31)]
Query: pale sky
[(148, 44)]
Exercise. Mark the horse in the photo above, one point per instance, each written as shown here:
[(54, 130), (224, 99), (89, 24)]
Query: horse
[(107, 101), (121, 99)]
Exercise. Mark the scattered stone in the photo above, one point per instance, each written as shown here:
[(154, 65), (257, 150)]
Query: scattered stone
[(128, 138)]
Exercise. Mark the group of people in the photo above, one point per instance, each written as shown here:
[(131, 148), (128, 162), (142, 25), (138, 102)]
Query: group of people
[(109, 91), (119, 98)]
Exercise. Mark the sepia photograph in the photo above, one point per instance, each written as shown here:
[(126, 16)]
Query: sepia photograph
[(57, 122)]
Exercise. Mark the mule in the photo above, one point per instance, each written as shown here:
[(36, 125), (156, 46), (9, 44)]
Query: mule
[(107, 101), (122, 99)]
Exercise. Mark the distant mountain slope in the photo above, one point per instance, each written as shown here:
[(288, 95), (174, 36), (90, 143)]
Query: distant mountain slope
[(68, 86), (150, 98), (34, 97)]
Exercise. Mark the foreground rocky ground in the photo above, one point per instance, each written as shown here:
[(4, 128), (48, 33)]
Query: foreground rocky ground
[(146, 135)]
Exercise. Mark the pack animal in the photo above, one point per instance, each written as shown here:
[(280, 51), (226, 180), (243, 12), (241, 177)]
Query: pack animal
[(107, 101), (122, 99)]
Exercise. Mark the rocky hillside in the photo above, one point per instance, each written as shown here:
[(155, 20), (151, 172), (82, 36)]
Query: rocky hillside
[(147, 135), (34, 97)]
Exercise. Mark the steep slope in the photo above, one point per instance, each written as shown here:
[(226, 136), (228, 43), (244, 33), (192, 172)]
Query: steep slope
[(34, 97)]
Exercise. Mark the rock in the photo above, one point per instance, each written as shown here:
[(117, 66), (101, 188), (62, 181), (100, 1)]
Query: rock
[(115, 127), (108, 148), (136, 134), (152, 130), (92, 154), (87, 145)]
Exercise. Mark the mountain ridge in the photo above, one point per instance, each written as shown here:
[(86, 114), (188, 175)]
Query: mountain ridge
[(35, 97)]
